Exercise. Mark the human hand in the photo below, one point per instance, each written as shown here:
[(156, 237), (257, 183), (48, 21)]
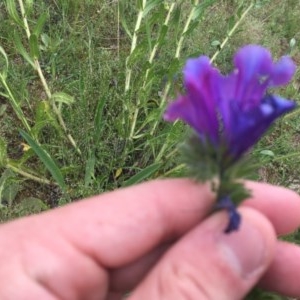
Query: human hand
[(155, 240)]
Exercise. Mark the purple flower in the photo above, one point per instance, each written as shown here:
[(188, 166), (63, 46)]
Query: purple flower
[(233, 111)]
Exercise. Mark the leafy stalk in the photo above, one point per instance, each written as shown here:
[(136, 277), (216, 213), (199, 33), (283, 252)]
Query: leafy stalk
[(134, 42), (231, 32), (150, 61), (177, 55), (44, 82), (28, 175), (14, 103)]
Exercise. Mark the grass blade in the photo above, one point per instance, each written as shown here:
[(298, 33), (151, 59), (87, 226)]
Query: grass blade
[(142, 175), (46, 159)]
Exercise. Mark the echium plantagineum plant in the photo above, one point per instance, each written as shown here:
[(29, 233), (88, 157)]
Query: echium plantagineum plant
[(228, 115)]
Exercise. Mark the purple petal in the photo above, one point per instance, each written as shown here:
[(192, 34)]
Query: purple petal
[(254, 65), (198, 107), (252, 124), (182, 108), (283, 71)]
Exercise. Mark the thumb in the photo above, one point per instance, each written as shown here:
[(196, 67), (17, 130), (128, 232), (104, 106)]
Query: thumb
[(208, 264)]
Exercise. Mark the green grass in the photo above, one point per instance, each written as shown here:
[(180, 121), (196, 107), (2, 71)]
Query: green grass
[(115, 92)]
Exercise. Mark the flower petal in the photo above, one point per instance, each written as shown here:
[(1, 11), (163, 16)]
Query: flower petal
[(283, 71), (254, 65), (252, 124), (197, 107)]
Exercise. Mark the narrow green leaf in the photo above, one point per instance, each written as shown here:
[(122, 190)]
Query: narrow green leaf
[(34, 47), (28, 6), (13, 13), (43, 117), (62, 97), (4, 68), (123, 19), (150, 5), (3, 153), (175, 21), (267, 153), (142, 175), (215, 43), (22, 50), (140, 5), (89, 169), (46, 159), (98, 124), (40, 24)]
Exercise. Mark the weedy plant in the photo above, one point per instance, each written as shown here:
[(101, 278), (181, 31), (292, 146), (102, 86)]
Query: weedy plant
[(83, 85)]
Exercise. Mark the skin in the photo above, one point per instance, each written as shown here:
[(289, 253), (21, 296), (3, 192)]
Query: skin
[(155, 239)]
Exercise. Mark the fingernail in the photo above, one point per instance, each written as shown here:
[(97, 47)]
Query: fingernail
[(245, 250)]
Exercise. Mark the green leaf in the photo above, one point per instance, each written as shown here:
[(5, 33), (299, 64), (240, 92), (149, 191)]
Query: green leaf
[(45, 39), (142, 175), (9, 187), (62, 97), (28, 6), (4, 68), (46, 159), (123, 18), (175, 21), (267, 153), (32, 205), (3, 153), (22, 51), (13, 13), (40, 24), (98, 124), (3, 108), (140, 5), (89, 169), (43, 117), (216, 43), (34, 47), (150, 5)]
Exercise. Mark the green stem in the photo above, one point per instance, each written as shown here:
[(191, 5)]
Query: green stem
[(45, 84), (231, 32), (28, 175), (15, 104), (177, 55), (286, 156), (185, 29), (133, 45), (177, 168), (150, 61)]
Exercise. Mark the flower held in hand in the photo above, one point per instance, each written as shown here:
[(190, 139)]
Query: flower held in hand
[(229, 113)]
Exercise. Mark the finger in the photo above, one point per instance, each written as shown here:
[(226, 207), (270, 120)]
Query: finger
[(280, 205), (284, 272), (208, 264), (126, 278), (119, 227)]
